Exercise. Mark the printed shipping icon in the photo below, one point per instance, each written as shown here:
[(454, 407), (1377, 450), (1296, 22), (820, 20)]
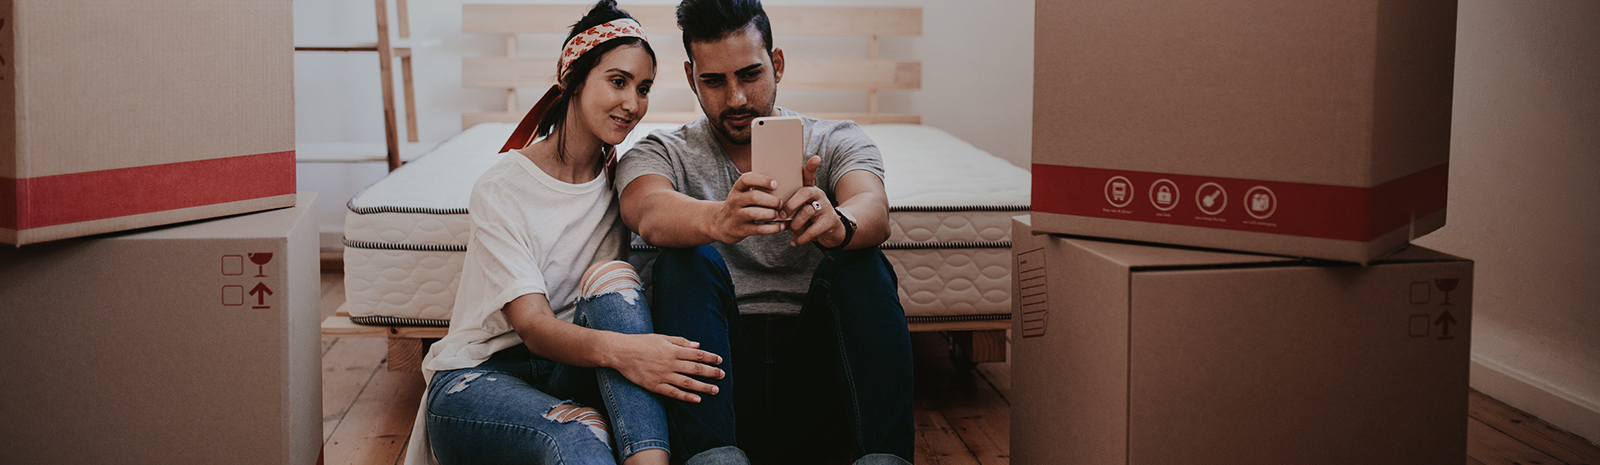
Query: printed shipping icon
[(1260, 202), (1119, 191)]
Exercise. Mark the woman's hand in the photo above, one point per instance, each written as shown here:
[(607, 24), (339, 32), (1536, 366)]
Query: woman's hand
[(663, 364)]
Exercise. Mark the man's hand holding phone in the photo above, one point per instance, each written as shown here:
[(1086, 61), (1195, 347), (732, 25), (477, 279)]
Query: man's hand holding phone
[(750, 210), (811, 213)]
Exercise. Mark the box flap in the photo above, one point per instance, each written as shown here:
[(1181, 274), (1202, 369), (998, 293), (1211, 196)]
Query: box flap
[(1416, 253), (270, 223)]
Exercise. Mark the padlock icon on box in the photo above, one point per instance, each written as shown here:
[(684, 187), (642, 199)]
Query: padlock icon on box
[(1164, 195)]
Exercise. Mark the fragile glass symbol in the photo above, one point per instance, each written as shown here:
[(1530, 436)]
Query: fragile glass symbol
[(260, 259), (1447, 285)]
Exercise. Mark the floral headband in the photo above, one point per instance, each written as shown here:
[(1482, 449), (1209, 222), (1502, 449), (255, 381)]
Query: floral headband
[(594, 36), (570, 52)]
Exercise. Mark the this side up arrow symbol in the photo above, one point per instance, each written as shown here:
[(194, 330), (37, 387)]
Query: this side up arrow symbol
[(261, 292), (1444, 321)]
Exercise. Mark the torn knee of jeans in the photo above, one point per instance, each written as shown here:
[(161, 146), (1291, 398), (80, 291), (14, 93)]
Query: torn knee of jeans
[(567, 412), (608, 277), (461, 384)]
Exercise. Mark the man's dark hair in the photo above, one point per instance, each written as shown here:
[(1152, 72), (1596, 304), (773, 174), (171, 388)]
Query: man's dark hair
[(712, 20)]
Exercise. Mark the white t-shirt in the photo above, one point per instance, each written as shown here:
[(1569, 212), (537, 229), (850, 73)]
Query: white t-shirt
[(531, 234)]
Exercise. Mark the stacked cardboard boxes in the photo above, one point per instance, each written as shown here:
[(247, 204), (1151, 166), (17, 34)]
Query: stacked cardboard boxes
[(180, 342), (1185, 156)]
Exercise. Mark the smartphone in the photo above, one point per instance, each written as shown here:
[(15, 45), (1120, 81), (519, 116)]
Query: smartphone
[(777, 150)]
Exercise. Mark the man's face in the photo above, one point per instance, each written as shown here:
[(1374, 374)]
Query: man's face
[(735, 80)]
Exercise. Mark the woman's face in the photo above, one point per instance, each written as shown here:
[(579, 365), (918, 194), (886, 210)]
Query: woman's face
[(617, 93)]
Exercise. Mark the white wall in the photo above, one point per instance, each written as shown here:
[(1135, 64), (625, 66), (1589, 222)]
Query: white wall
[(1524, 187), (977, 77)]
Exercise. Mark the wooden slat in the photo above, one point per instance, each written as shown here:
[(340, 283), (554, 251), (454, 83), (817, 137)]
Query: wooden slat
[(539, 73), (379, 422), (472, 119), (662, 20), (346, 370), (1492, 447), (1530, 430), (405, 354), (985, 325)]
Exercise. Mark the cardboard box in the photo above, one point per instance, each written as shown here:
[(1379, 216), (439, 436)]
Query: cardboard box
[(1139, 355), (123, 115), (1310, 129), (194, 343)]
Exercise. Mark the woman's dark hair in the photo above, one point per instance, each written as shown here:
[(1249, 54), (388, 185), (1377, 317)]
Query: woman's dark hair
[(712, 20), (572, 84)]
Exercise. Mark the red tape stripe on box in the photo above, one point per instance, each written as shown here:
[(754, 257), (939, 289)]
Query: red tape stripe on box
[(29, 203), (1296, 209)]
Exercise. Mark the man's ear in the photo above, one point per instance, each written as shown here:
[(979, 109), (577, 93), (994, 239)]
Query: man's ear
[(688, 72), (777, 65)]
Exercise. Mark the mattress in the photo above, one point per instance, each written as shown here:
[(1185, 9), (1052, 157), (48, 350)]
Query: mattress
[(950, 209)]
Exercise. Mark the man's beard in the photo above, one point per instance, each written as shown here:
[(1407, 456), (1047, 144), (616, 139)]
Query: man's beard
[(727, 133)]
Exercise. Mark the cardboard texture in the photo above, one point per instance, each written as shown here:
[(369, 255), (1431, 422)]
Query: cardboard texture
[(1132, 354), (122, 115), (193, 343), (1310, 129)]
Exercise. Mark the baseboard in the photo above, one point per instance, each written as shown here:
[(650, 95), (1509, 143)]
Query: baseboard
[(1537, 397), (333, 260)]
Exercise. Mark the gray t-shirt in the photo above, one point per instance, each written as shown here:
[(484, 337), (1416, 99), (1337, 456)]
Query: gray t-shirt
[(769, 276)]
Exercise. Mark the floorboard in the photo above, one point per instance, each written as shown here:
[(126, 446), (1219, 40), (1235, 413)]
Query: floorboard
[(1563, 446), (1493, 447), (376, 427), (967, 402)]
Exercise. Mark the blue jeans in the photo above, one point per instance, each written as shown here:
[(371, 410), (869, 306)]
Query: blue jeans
[(834, 379), (495, 412)]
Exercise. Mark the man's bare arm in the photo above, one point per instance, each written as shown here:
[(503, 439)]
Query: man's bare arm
[(667, 218)]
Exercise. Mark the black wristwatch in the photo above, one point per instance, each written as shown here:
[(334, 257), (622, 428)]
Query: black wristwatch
[(849, 222)]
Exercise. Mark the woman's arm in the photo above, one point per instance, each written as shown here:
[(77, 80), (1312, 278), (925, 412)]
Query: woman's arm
[(661, 364)]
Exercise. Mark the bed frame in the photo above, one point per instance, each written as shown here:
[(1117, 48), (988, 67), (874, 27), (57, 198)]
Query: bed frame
[(971, 341)]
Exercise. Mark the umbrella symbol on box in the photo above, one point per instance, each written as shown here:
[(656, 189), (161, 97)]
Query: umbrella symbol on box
[(260, 259)]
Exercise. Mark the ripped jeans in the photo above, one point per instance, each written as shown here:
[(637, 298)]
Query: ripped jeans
[(496, 412)]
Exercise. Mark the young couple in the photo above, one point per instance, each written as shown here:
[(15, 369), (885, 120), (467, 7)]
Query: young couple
[(779, 341)]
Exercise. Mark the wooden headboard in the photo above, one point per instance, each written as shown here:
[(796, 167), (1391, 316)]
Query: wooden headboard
[(512, 71)]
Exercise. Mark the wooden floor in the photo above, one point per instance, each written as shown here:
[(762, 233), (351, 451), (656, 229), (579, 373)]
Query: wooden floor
[(962, 418)]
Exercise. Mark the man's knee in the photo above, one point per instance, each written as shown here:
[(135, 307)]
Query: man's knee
[(690, 263), (608, 277), (863, 266)]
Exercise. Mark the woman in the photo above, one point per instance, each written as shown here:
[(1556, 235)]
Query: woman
[(547, 326)]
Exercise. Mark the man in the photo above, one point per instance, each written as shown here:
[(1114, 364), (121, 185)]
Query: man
[(794, 294)]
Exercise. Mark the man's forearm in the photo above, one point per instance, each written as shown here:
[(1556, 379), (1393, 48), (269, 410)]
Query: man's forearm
[(872, 220), (675, 222)]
